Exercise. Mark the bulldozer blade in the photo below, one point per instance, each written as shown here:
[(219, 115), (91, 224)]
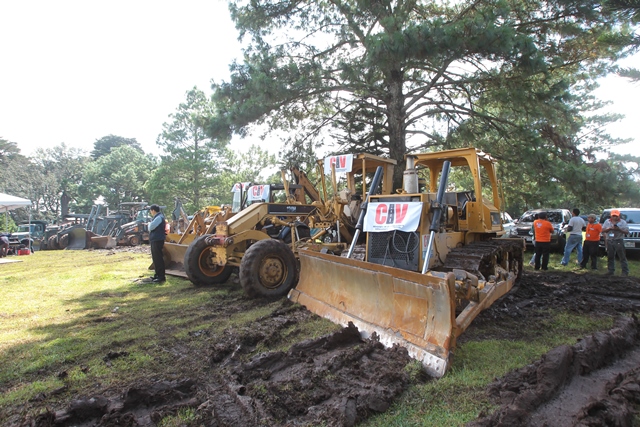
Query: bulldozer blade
[(103, 242), (77, 239), (173, 254), (406, 308)]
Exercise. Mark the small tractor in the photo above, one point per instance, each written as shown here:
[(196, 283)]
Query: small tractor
[(433, 260)]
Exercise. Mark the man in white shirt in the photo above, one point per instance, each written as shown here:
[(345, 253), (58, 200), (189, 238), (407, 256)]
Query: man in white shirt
[(575, 227)]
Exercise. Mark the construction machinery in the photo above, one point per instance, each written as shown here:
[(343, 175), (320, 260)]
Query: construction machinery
[(262, 241), (126, 226), (432, 260), (205, 220)]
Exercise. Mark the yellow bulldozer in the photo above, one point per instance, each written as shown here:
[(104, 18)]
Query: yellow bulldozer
[(262, 241), (432, 260)]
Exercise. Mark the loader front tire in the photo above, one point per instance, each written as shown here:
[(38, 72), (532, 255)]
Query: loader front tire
[(199, 268), (268, 269)]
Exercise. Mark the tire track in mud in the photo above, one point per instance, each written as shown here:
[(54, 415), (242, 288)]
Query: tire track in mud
[(574, 385), (592, 383)]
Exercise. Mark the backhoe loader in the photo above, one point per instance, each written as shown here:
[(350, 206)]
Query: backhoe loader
[(205, 220), (262, 241), (432, 260)]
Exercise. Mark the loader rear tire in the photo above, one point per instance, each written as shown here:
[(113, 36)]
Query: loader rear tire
[(268, 269), (198, 267)]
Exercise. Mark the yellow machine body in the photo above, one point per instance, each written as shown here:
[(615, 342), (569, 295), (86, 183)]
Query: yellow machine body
[(387, 294)]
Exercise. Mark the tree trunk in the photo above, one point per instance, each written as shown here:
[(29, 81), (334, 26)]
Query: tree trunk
[(396, 116), (64, 204)]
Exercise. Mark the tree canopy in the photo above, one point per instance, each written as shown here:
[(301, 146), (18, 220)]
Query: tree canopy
[(192, 158), (388, 77), (104, 145), (119, 176)]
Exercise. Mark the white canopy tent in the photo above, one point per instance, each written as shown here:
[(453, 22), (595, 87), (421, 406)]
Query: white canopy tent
[(9, 203)]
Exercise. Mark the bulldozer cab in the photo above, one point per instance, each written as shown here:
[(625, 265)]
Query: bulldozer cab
[(473, 193)]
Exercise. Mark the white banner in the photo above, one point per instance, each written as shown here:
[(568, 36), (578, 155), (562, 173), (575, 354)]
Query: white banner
[(403, 216), (258, 193), (238, 186), (344, 163)]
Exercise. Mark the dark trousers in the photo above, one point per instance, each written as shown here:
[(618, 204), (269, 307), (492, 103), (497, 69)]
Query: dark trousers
[(543, 249), (616, 247), (156, 257), (590, 250)]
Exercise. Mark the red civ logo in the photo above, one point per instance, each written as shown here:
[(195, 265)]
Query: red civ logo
[(257, 190), (391, 213), (339, 161)]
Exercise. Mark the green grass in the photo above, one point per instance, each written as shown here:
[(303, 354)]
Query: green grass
[(555, 258), (62, 312)]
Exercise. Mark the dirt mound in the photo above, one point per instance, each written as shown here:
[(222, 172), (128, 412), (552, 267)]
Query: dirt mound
[(336, 380)]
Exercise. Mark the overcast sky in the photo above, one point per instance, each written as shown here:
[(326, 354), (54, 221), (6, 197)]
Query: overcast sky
[(74, 71)]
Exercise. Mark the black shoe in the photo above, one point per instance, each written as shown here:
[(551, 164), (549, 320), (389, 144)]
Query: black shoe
[(153, 277), (158, 280)]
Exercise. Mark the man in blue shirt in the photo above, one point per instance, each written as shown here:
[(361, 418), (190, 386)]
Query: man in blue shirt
[(156, 241)]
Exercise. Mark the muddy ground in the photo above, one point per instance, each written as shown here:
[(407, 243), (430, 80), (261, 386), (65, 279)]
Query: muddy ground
[(339, 380)]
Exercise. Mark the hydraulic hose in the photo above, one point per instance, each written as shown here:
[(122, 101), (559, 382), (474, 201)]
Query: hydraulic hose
[(437, 213), (373, 190)]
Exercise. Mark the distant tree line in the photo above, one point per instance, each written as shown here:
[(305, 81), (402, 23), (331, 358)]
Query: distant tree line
[(195, 168)]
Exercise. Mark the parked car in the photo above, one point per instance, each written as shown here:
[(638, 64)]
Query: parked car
[(509, 226), (558, 217), (632, 217)]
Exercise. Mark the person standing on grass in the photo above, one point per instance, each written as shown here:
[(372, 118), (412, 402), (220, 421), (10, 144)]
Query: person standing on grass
[(157, 234), (4, 246), (591, 243), (543, 231), (575, 227), (533, 240), (614, 230)]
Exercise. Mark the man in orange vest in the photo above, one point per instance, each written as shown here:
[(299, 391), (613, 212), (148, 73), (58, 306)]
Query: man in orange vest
[(591, 243), (543, 230)]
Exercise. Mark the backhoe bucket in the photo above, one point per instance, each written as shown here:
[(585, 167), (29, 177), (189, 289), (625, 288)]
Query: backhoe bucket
[(413, 310), (103, 242), (173, 254), (77, 238)]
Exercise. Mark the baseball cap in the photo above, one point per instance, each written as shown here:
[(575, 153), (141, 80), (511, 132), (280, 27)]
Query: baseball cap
[(615, 212)]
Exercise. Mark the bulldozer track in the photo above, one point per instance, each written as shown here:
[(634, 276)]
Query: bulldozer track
[(482, 257)]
